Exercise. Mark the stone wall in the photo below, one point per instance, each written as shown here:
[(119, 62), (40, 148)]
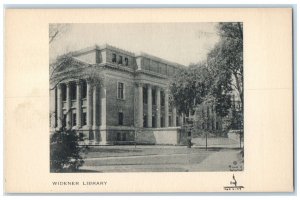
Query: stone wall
[(115, 105), (169, 135)]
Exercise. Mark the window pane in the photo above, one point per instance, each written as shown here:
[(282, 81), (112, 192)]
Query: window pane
[(83, 119), (64, 92), (114, 57), (84, 88), (74, 122), (153, 98), (73, 91), (162, 99), (120, 60), (145, 99), (145, 121), (120, 118), (121, 90)]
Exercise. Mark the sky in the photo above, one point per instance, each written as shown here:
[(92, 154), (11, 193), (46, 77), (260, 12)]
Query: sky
[(183, 43)]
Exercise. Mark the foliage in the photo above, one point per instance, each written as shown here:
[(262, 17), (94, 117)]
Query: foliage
[(189, 87), (226, 64), (65, 151), (215, 82)]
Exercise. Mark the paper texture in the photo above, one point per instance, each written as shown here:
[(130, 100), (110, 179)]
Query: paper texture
[(268, 111)]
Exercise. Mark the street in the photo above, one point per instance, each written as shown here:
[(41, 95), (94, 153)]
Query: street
[(159, 159)]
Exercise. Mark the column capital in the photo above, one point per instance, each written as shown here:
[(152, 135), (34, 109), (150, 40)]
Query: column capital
[(139, 84), (149, 86), (78, 82), (166, 90), (157, 88), (68, 83), (59, 85), (88, 81)]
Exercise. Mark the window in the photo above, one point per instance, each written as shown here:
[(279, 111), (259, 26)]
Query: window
[(64, 120), (124, 137), (126, 61), (153, 98), (73, 91), (153, 121), (114, 58), (119, 137), (162, 122), (120, 118), (145, 95), (84, 88), (64, 92), (170, 120), (84, 119), (120, 90), (162, 99), (120, 60), (145, 121), (74, 119), (217, 126)]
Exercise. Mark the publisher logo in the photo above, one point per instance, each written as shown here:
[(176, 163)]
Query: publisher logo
[(233, 185)]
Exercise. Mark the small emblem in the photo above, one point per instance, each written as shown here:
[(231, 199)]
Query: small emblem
[(233, 185)]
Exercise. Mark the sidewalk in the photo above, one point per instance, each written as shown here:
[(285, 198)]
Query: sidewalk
[(225, 160), (162, 159)]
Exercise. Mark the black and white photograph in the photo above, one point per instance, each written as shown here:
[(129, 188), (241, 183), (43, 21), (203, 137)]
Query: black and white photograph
[(146, 97), (149, 100)]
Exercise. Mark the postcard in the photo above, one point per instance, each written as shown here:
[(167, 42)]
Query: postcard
[(148, 100)]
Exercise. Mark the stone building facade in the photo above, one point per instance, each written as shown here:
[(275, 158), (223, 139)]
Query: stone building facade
[(129, 103)]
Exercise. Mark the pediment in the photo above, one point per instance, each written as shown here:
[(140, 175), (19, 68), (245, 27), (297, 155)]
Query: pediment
[(67, 64)]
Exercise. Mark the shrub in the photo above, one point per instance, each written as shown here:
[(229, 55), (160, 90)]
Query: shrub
[(65, 151)]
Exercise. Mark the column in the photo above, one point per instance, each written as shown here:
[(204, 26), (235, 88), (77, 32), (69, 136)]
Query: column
[(149, 106), (181, 119), (174, 116), (95, 100), (59, 106), (103, 131), (95, 124), (103, 106), (69, 111), (89, 104), (166, 108), (78, 104), (158, 107), (139, 106)]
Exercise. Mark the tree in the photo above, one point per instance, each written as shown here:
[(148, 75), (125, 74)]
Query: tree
[(65, 151), (226, 64), (216, 81), (57, 30), (189, 87)]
